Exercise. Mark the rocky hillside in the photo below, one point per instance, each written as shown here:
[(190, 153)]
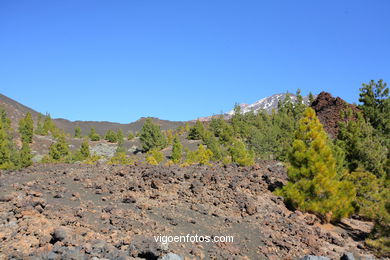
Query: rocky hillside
[(113, 212), (16, 111)]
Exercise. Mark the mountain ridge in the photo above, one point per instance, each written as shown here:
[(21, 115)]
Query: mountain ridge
[(268, 104), (16, 111)]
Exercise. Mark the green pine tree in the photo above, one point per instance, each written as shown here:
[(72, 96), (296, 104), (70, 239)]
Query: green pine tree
[(84, 149), (120, 136), (5, 148), (59, 151), (203, 155), (25, 155), (77, 132), (93, 136), (130, 136), (314, 185), (311, 98), (196, 132), (39, 128), (151, 136), (49, 126), (376, 105), (26, 128), (176, 150), (240, 154), (111, 136), (9, 156), (362, 147)]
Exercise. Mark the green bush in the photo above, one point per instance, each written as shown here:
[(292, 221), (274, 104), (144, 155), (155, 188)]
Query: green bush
[(130, 136), (201, 156), (93, 136), (111, 136), (154, 157), (121, 158), (240, 154)]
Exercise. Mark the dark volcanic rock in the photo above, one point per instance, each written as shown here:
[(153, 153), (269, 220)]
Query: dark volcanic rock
[(51, 216), (328, 110)]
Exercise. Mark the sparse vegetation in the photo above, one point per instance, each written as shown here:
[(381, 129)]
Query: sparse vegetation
[(331, 178), (154, 157)]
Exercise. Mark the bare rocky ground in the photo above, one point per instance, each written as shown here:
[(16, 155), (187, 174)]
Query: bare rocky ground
[(112, 212)]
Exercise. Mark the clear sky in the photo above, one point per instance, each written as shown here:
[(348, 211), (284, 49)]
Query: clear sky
[(179, 60)]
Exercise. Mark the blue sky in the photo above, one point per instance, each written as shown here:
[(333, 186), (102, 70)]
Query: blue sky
[(179, 60)]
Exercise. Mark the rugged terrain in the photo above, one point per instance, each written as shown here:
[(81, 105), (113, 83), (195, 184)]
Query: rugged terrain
[(329, 111), (112, 212), (16, 111)]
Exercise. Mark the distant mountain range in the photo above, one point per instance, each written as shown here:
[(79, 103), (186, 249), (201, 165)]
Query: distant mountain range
[(16, 111), (266, 104)]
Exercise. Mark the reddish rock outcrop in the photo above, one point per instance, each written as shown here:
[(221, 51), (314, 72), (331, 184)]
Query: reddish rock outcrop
[(328, 110)]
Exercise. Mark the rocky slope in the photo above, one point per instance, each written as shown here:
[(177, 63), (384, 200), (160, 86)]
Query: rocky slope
[(113, 212), (16, 111)]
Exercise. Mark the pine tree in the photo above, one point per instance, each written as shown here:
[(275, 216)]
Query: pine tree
[(203, 155), (84, 149), (5, 147), (93, 136), (212, 143), (314, 185), (77, 132), (362, 147), (119, 136), (130, 136), (169, 136), (376, 105), (49, 126), (151, 136), (59, 151), (26, 128), (196, 132), (111, 136), (6, 122), (311, 98), (176, 150), (9, 156), (39, 128), (240, 154), (25, 155)]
